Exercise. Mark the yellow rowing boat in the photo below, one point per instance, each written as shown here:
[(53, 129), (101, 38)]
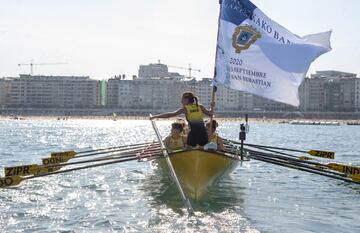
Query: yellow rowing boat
[(198, 169)]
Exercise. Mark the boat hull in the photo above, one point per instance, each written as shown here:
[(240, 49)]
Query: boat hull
[(197, 170)]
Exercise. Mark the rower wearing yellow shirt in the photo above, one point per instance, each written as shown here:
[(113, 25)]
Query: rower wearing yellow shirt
[(193, 111), (176, 140)]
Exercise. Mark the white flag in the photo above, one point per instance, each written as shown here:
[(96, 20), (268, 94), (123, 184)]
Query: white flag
[(257, 55)]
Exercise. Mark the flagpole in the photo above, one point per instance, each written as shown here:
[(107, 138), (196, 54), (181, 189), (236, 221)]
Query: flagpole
[(212, 104)]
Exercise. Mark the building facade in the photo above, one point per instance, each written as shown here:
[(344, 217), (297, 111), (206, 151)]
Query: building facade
[(164, 94), (329, 91), (4, 91), (357, 95), (153, 70), (53, 92), (157, 90), (144, 93)]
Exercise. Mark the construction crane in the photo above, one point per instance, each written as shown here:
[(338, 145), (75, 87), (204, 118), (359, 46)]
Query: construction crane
[(31, 64), (186, 68)]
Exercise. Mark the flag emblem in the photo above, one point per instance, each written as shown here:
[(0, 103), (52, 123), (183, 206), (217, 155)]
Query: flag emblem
[(244, 36)]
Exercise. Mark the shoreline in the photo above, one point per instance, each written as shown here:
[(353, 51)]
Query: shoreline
[(221, 119)]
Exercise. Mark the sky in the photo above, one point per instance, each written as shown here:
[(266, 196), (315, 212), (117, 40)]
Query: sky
[(103, 38)]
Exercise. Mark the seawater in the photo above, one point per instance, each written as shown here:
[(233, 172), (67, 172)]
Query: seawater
[(133, 197)]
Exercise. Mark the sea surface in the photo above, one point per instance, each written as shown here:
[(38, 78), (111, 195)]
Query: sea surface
[(133, 197)]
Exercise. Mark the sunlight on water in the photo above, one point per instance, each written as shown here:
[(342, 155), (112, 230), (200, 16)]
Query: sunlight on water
[(134, 197)]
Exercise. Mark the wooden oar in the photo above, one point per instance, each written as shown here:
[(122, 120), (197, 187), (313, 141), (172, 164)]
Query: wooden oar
[(278, 152), (347, 169), (71, 154), (353, 178), (295, 164), (172, 171), (113, 157), (306, 164), (344, 168), (15, 180), (35, 169), (65, 158), (30, 169), (116, 147), (317, 153)]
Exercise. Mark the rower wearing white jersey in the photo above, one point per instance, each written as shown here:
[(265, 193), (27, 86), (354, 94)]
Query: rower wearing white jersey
[(214, 137)]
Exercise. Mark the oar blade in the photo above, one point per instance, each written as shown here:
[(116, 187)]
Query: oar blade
[(23, 170), (322, 154), (27, 170), (347, 169), (10, 181), (70, 153), (56, 159), (355, 178)]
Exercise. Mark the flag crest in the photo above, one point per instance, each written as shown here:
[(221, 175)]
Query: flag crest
[(259, 56)]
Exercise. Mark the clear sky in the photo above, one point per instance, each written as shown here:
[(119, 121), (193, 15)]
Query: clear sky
[(103, 38)]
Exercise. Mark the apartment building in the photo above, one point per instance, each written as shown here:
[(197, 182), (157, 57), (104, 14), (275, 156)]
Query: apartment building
[(153, 70), (357, 95), (330, 91), (4, 91), (144, 93), (53, 92), (158, 90)]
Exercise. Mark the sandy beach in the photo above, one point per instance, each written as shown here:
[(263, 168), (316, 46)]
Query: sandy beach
[(221, 119)]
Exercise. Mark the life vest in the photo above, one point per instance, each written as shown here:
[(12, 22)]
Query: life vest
[(175, 144), (193, 113)]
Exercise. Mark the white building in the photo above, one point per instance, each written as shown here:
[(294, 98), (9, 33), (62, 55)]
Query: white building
[(4, 91), (161, 94), (53, 92), (357, 94), (153, 70)]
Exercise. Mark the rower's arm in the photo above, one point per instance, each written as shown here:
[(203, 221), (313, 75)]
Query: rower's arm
[(206, 111), (220, 144), (184, 138), (167, 141), (168, 114)]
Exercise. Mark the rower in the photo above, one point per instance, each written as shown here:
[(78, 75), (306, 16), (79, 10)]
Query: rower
[(176, 140), (214, 138), (184, 125), (194, 111)]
